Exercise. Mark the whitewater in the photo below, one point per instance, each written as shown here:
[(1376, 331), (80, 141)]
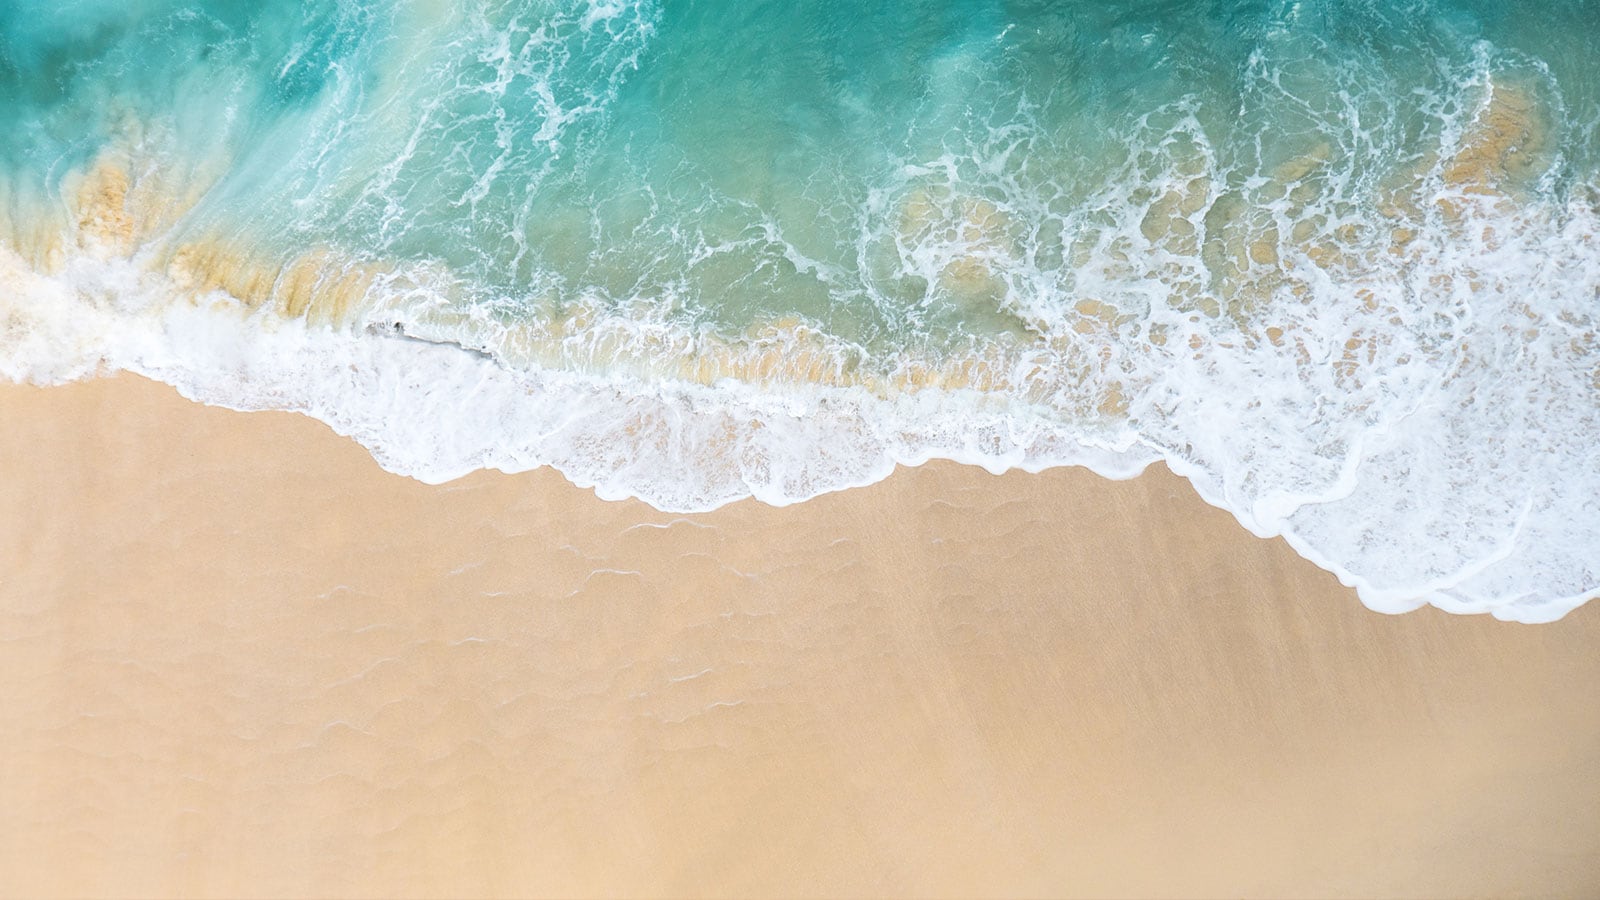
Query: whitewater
[(1336, 264)]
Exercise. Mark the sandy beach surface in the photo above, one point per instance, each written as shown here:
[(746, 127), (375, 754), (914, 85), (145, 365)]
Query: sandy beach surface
[(237, 658)]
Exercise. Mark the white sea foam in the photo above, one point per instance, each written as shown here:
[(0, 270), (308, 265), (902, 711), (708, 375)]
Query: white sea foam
[(1479, 497)]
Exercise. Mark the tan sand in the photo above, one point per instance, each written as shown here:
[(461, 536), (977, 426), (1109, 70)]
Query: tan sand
[(239, 659)]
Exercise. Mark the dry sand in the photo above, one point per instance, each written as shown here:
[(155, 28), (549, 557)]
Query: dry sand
[(239, 659)]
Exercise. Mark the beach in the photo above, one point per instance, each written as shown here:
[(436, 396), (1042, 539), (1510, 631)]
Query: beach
[(242, 659)]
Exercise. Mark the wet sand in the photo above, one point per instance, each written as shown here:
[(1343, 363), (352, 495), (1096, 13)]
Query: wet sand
[(240, 659)]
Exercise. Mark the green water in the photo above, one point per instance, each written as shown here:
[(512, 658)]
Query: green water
[(729, 162)]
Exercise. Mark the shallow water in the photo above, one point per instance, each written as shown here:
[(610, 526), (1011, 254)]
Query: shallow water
[(1336, 263)]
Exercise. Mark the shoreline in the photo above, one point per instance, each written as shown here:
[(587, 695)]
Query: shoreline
[(250, 660)]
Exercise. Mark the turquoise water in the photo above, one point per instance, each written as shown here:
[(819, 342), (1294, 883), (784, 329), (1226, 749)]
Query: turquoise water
[(1333, 261), (695, 149)]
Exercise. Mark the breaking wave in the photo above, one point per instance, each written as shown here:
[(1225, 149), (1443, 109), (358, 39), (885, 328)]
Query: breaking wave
[(1338, 268)]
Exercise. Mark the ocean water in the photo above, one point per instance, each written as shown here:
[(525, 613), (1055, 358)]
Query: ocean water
[(1337, 263)]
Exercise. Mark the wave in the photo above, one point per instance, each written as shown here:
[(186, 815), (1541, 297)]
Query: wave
[(1373, 334)]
